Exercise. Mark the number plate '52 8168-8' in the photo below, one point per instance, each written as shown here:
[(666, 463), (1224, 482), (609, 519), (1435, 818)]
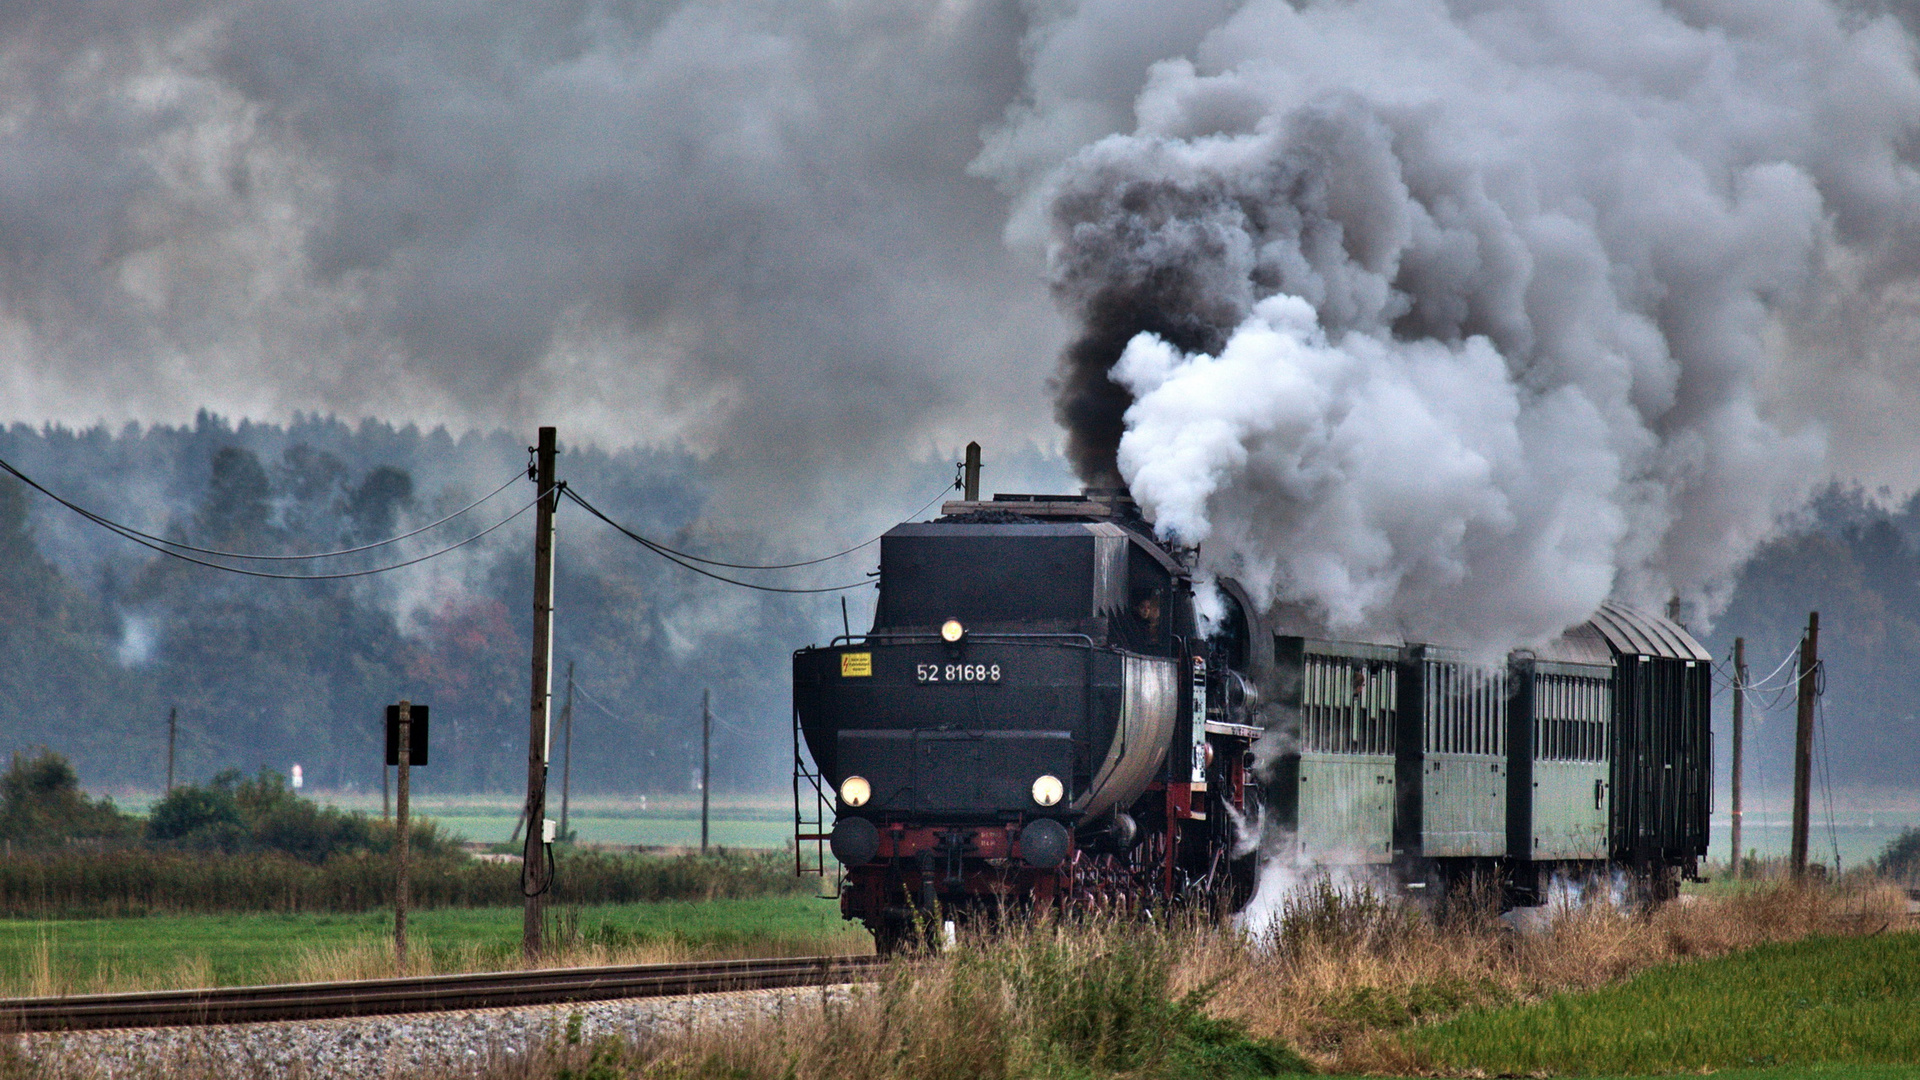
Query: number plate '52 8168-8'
[(956, 673)]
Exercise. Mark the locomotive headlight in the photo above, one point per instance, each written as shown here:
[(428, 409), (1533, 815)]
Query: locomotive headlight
[(1047, 790), (855, 791), (951, 631)]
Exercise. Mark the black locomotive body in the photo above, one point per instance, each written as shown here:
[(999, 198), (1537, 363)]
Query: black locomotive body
[(1032, 718), (1035, 718)]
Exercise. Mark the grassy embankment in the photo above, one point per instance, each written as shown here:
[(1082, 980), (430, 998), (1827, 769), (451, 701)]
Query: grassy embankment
[(1347, 985)]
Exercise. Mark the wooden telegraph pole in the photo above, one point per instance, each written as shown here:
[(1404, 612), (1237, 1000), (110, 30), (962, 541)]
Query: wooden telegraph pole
[(401, 840), (706, 761), (173, 724), (1803, 742), (1739, 716), (533, 869)]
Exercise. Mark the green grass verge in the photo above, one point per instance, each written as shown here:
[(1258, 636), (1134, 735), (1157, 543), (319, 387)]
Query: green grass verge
[(1785, 1072), (1826, 1002), (250, 949)]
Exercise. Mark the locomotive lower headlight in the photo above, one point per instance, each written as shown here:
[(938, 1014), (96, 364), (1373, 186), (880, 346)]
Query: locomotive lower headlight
[(1048, 789), (951, 631), (855, 791)]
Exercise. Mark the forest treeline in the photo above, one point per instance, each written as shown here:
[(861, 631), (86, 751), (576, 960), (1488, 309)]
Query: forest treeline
[(101, 638)]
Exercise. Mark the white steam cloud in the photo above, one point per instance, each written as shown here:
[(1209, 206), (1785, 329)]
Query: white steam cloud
[(1454, 320)]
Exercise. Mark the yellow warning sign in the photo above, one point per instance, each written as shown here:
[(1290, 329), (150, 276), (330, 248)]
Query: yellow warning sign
[(856, 664)]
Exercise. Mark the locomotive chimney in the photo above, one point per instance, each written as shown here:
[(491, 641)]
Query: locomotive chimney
[(971, 473)]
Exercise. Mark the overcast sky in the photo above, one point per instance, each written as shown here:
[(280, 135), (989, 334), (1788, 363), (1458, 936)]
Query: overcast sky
[(823, 243)]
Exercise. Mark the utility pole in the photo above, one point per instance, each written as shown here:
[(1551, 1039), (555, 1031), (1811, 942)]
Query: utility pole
[(173, 724), (1803, 742), (706, 761), (534, 878), (970, 473), (386, 788), (566, 735), (1739, 718), (401, 841)]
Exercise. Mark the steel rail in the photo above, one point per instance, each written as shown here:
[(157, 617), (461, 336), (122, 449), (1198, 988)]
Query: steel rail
[(421, 994)]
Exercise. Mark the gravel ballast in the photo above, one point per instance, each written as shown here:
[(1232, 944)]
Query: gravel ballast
[(448, 1042)]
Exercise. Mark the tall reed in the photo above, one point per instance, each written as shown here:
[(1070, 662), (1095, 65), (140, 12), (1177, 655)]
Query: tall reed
[(139, 881)]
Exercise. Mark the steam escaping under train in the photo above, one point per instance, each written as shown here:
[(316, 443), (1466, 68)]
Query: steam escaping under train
[(1035, 718)]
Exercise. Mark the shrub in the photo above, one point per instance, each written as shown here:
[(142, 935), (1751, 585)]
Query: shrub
[(196, 817), (236, 815), (41, 805), (1900, 859)]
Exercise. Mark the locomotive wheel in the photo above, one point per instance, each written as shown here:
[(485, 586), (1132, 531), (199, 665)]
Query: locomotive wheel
[(1105, 882)]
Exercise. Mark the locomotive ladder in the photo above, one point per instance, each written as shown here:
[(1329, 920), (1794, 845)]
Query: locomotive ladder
[(810, 809)]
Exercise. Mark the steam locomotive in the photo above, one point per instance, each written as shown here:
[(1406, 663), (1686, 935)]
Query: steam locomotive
[(1035, 718)]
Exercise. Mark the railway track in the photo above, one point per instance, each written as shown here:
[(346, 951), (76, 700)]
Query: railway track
[(421, 994)]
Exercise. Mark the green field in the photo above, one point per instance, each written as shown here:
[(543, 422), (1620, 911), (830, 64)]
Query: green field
[(652, 830), (231, 950), (671, 821), (1822, 1001)]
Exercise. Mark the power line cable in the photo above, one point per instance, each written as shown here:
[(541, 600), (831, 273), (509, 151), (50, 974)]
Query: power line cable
[(131, 533), (1826, 766), (672, 557), (665, 550), (1761, 683), (140, 538), (595, 702)]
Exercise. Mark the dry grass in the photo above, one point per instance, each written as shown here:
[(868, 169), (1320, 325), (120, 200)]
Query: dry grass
[(1338, 979), (374, 959), (43, 977)]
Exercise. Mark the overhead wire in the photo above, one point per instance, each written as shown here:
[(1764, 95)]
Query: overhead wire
[(595, 702), (1761, 683), (671, 556), (662, 548), (1760, 773), (148, 541), (1826, 762), (331, 577), (131, 532)]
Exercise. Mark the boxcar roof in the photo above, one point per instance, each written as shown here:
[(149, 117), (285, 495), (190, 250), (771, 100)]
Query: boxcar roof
[(1632, 632), (1584, 644)]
